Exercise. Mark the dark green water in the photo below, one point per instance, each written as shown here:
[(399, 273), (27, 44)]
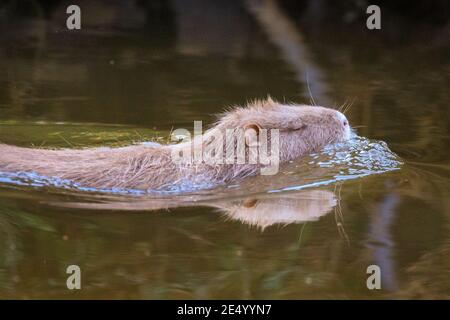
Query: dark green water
[(127, 77)]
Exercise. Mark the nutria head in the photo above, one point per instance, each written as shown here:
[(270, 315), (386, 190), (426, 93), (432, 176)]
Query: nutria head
[(302, 129)]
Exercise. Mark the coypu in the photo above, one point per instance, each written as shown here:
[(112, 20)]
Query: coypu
[(299, 129)]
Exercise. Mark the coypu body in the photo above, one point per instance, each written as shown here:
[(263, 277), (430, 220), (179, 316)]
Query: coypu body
[(300, 131)]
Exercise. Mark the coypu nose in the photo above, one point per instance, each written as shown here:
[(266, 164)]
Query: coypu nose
[(346, 125), (343, 118)]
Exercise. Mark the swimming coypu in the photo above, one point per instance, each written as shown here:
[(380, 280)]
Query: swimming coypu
[(301, 130)]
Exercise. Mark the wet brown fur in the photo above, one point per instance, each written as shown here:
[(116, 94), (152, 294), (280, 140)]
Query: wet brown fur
[(303, 129)]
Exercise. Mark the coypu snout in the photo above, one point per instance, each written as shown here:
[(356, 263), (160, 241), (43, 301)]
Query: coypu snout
[(315, 127), (345, 124), (302, 129)]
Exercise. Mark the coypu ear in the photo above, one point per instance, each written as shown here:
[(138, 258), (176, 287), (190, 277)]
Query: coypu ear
[(251, 133), (249, 203)]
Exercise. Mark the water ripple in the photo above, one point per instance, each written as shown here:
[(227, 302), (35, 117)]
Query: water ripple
[(356, 158), (353, 159)]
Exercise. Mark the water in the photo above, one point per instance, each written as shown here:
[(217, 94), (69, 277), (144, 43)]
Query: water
[(131, 75)]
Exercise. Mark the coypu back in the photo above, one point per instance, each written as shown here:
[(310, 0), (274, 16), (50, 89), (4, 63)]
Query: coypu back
[(96, 167)]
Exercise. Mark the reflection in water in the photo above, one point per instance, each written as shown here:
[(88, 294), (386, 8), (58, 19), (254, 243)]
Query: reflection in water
[(380, 236), (149, 255), (266, 211), (261, 211)]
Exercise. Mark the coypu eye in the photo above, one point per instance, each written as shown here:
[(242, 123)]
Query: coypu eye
[(300, 127)]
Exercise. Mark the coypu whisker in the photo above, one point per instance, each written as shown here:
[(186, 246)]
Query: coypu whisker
[(313, 102), (349, 106), (338, 216), (341, 107)]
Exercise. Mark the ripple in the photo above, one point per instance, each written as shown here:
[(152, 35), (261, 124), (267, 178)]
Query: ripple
[(356, 158), (353, 159)]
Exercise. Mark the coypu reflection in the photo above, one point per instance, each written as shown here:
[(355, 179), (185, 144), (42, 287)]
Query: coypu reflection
[(261, 211), (266, 211)]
